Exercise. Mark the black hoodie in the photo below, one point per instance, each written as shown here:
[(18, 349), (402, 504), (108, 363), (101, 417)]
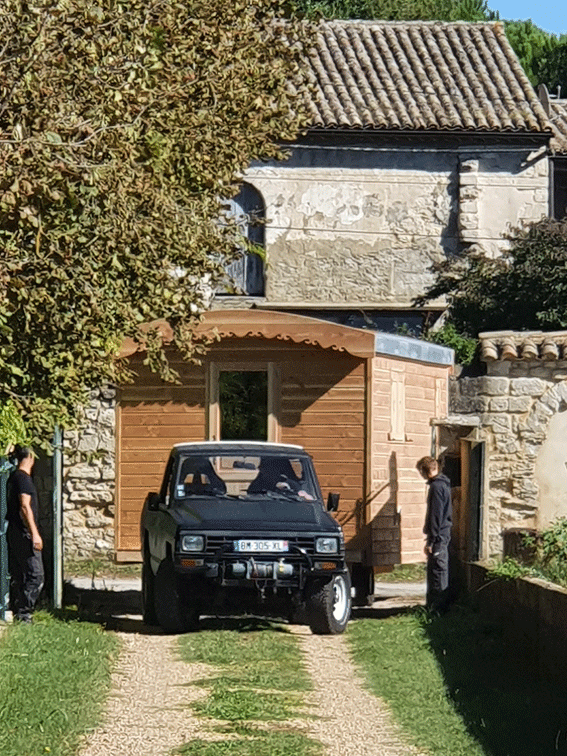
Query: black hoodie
[(438, 519)]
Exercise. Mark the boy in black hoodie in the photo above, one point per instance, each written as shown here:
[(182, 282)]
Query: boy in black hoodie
[(437, 529)]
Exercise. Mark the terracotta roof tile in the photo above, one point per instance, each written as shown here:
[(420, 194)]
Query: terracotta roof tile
[(420, 76), (523, 345)]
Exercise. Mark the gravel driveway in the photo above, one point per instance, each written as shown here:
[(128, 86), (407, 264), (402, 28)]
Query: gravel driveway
[(147, 713)]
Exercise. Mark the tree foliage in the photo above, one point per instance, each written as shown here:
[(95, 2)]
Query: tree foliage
[(122, 125), (401, 10), (543, 56), (523, 289)]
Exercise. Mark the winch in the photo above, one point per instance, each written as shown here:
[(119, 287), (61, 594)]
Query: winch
[(253, 570)]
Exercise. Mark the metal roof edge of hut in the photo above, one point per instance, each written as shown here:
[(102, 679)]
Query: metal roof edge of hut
[(408, 348)]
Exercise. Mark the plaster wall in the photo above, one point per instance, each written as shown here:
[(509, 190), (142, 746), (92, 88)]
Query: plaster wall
[(349, 225), (522, 407)]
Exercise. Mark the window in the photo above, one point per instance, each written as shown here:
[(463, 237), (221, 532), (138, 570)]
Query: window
[(243, 401), (397, 407), (247, 272)]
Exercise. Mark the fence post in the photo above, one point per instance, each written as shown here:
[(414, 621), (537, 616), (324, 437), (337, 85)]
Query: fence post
[(5, 470), (57, 520)]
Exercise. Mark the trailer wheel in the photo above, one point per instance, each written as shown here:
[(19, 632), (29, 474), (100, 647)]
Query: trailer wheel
[(362, 579), (174, 610), (148, 592), (328, 605)]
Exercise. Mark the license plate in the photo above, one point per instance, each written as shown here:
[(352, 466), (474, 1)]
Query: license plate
[(259, 546)]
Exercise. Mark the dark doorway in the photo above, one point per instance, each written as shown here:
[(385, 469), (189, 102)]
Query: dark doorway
[(243, 397)]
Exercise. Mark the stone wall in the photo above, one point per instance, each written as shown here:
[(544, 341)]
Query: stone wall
[(522, 408), (351, 225), (88, 480), (532, 613)]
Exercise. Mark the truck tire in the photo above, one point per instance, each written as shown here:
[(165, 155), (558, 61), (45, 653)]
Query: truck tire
[(362, 579), (148, 593), (328, 605), (171, 599)]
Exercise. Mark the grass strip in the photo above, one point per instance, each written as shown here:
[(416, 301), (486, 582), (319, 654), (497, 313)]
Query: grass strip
[(55, 678), (259, 678), (457, 687), (403, 573), (101, 568)]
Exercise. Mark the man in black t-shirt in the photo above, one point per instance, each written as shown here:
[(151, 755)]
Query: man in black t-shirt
[(24, 541)]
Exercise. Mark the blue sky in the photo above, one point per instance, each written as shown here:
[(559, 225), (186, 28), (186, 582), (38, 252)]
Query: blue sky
[(550, 15)]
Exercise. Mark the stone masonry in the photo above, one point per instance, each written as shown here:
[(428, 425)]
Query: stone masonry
[(522, 408), (88, 480), (371, 222)]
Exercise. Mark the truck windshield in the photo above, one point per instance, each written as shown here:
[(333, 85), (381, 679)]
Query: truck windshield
[(245, 477)]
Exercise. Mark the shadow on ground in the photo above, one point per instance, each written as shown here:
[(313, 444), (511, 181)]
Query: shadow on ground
[(505, 704), (122, 609)]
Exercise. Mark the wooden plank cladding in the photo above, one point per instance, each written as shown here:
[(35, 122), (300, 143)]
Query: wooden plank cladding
[(323, 408), (153, 416)]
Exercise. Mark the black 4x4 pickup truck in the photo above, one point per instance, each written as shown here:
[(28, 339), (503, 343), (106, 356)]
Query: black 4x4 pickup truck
[(241, 527)]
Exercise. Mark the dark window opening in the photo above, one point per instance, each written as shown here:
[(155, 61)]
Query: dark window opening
[(243, 397), (559, 210), (246, 273)]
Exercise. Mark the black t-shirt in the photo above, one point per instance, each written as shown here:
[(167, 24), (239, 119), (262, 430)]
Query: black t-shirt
[(20, 483)]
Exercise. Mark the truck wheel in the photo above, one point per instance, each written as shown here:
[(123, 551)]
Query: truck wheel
[(173, 611), (362, 579), (148, 593), (328, 605)]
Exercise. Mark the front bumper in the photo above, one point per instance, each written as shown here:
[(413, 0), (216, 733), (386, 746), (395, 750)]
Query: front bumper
[(224, 566)]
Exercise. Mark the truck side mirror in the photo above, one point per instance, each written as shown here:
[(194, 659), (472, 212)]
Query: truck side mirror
[(333, 502), (153, 500)]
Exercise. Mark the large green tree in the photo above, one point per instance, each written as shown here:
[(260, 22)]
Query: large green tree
[(123, 124), (523, 289), (543, 56), (401, 10)]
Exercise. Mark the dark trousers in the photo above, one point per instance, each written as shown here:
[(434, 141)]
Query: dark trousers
[(26, 574), (437, 596)]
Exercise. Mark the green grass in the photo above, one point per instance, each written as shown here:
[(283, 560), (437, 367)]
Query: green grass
[(273, 743), (457, 688), (258, 682), (54, 678), (403, 573), (100, 568)]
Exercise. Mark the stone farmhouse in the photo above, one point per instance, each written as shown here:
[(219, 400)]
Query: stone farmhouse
[(425, 139)]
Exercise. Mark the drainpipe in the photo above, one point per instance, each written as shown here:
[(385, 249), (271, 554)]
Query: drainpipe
[(57, 518)]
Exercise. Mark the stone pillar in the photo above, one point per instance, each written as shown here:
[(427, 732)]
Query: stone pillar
[(89, 480), (469, 196)]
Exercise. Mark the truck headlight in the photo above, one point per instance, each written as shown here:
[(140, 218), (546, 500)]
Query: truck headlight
[(192, 543), (326, 546)]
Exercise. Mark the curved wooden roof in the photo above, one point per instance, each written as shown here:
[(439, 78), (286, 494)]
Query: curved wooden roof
[(278, 326)]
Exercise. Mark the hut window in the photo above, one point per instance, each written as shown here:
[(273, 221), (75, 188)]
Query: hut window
[(243, 400), (397, 407)]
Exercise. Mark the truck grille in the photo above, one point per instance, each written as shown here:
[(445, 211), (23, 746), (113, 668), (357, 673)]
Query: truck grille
[(224, 543)]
